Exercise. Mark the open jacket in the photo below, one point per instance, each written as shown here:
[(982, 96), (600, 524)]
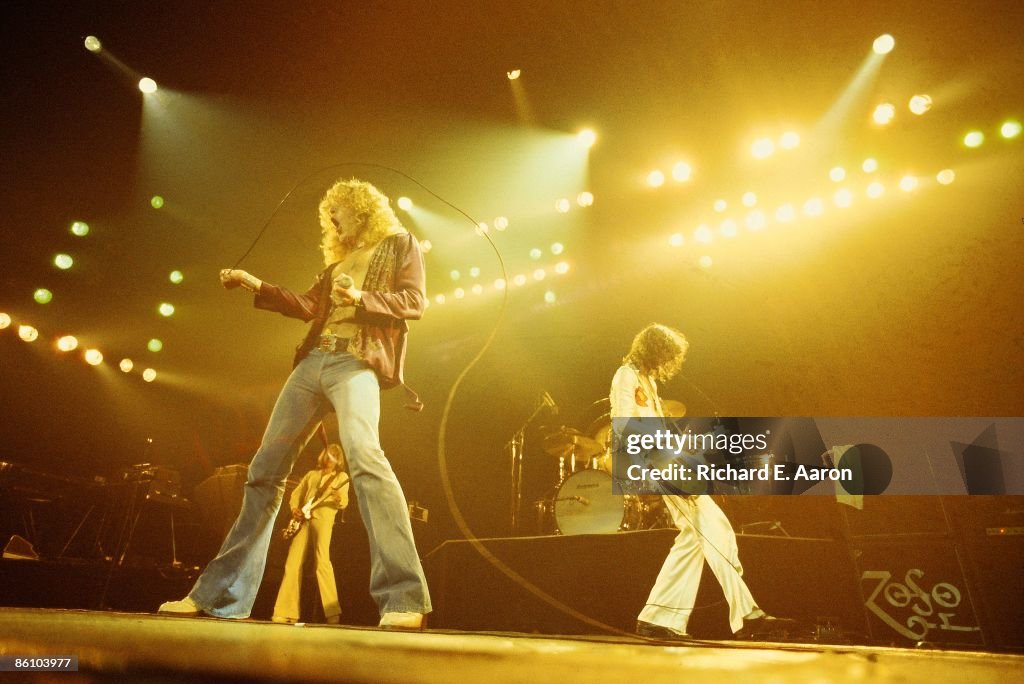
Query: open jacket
[(394, 291)]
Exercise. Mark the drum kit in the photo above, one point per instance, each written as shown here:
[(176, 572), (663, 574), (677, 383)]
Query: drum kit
[(582, 502)]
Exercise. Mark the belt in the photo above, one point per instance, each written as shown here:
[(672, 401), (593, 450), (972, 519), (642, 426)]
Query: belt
[(333, 343)]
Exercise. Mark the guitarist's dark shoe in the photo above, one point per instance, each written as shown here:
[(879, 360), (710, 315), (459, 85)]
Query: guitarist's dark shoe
[(764, 626), (653, 631)]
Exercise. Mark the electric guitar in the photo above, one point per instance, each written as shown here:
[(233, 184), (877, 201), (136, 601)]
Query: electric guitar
[(296, 523)]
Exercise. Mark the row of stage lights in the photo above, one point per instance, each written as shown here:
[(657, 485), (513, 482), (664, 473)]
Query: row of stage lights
[(69, 343)]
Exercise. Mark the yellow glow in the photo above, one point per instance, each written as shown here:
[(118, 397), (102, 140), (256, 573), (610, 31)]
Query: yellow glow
[(482, 228), (974, 139), (721, 205), (5, 321), (762, 148), (908, 183), (728, 228), (519, 280), (585, 199), (474, 272), (539, 274), (837, 173), (557, 248), (587, 136), (814, 207), (656, 179), (785, 213), (93, 357), (514, 74), (176, 277), (536, 253), (789, 140), (80, 228), (676, 240), (705, 261), (166, 309), (870, 165), (477, 289), (549, 297), (883, 44), (703, 234), (756, 220), (149, 375), (1010, 129), (63, 261), (426, 246), (681, 172), (404, 203), (946, 176), (126, 365), (919, 104), (876, 190), (27, 333), (884, 114), (93, 44), (147, 85), (562, 267), (749, 199), (500, 284), (562, 206), (67, 343), (454, 275), (843, 198), (500, 223), (459, 293)]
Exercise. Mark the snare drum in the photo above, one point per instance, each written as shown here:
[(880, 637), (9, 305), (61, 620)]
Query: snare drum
[(585, 504)]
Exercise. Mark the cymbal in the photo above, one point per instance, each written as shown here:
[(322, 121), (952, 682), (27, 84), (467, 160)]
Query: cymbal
[(566, 441), (672, 408)]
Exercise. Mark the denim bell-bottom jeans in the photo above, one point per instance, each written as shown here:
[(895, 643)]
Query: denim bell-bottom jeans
[(227, 587)]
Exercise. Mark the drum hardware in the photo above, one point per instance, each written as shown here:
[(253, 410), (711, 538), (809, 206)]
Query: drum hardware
[(514, 448)]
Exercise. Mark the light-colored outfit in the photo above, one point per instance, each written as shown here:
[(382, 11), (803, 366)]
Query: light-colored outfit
[(320, 527), (705, 534)]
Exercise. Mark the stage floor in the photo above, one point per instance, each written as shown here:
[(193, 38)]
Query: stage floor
[(141, 647)]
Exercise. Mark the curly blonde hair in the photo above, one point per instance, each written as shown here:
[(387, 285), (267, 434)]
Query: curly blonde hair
[(372, 210), (658, 350)]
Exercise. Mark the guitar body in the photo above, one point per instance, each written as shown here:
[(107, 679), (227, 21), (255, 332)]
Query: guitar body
[(296, 523)]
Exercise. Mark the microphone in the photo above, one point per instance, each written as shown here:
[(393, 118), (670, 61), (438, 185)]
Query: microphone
[(346, 281), (547, 400)]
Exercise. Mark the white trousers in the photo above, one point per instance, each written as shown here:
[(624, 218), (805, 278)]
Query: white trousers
[(705, 534)]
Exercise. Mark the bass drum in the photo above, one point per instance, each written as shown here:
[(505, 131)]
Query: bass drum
[(585, 504)]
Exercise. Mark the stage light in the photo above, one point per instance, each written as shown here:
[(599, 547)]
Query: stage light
[(80, 228), (814, 207), (585, 199), (519, 279), (883, 44), (681, 172), (5, 321), (166, 309), (705, 261), (785, 213), (945, 176), (884, 114), (790, 140), (762, 148), (535, 253), (721, 205), (482, 228), (426, 246), (147, 85), (154, 345), (176, 277), (1010, 129), (755, 220), (63, 261), (908, 183), (656, 179), (870, 165), (587, 136), (93, 357), (27, 333), (459, 293), (749, 199), (539, 274), (500, 223), (126, 365), (562, 267), (703, 234), (149, 375), (93, 44), (404, 203), (67, 343), (455, 275), (499, 284), (974, 139), (557, 248), (157, 202), (439, 299), (477, 289), (875, 190), (474, 272), (837, 174), (514, 74), (562, 206), (676, 240), (729, 228), (919, 104), (843, 198), (549, 297), (42, 296)]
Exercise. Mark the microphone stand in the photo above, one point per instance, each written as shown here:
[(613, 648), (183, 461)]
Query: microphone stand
[(514, 447)]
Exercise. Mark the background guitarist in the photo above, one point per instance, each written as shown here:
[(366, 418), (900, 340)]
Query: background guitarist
[(315, 502)]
